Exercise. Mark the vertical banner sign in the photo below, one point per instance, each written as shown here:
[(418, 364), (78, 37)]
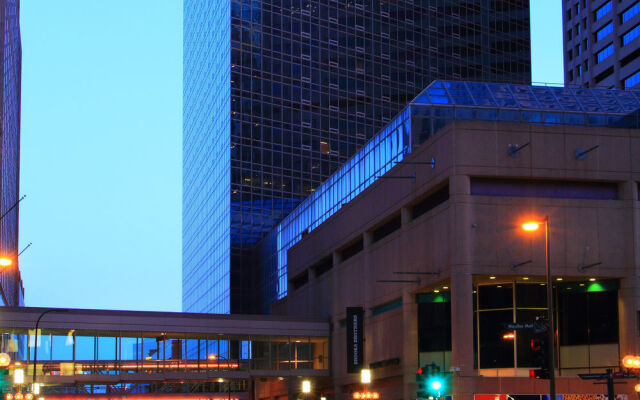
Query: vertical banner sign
[(355, 338)]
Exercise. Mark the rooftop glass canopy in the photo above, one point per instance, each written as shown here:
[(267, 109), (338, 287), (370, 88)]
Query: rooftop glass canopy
[(525, 97)]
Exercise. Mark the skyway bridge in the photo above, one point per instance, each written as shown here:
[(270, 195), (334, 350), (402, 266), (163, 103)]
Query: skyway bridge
[(82, 353)]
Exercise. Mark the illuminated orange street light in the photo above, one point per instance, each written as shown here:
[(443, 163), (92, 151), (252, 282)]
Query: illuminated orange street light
[(5, 262), (531, 226), (509, 336), (630, 361), (637, 387)]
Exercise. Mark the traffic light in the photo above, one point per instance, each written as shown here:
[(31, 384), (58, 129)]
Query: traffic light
[(431, 382), (421, 381), (540, 350), (437, 385)]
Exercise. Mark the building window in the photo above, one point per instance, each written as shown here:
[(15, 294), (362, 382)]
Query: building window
[(603, 10), (588, 324), (434, 329), (604, 53), (383, 308), (632, 34), (587, 315), (544, 189), (630, 12), (499, 304), (604, 31), (632, 80)]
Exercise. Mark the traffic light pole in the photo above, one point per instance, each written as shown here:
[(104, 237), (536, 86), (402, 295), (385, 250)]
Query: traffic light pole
[(550, 308)]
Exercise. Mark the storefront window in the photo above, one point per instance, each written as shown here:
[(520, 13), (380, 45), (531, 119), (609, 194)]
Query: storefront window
[(497, 305), (434, 329), (587, 326)]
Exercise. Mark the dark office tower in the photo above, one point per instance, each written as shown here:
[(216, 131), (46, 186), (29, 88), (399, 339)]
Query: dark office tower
[(601, 45), (11, 292), (279, 93)]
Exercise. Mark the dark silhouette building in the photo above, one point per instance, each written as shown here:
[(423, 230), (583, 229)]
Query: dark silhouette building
[(11, 291), (280, 93)]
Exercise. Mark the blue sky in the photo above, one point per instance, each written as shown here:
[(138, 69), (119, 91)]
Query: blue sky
[(101, 148)]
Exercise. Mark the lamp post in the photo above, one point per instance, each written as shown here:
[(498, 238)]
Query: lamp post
[(35, 347), (533, 226)]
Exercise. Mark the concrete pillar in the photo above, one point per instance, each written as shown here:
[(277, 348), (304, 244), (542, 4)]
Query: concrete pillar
[(629, 293), (462, 334), (410, 348)]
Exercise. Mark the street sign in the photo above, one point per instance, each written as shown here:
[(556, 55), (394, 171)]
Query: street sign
[(609, 379), (614, 375), (593, 376), (518, 326)]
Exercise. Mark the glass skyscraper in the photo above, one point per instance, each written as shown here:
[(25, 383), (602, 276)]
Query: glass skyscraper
[(278, 94), (11, 292)]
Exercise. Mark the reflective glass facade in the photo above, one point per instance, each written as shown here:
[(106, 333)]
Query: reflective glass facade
[(11, 52), (439, 104), (309, 82)]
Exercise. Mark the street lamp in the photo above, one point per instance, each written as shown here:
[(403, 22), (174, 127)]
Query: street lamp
[(35, 347), (530, 227), (5, 360), (306, 388), (365, 376)]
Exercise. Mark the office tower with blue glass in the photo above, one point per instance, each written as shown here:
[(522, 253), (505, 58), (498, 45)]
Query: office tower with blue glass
[(11, 291), (601, 44), (278, 94)]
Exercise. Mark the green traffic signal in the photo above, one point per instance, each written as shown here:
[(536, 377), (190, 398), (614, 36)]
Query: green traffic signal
[(436, 385)]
